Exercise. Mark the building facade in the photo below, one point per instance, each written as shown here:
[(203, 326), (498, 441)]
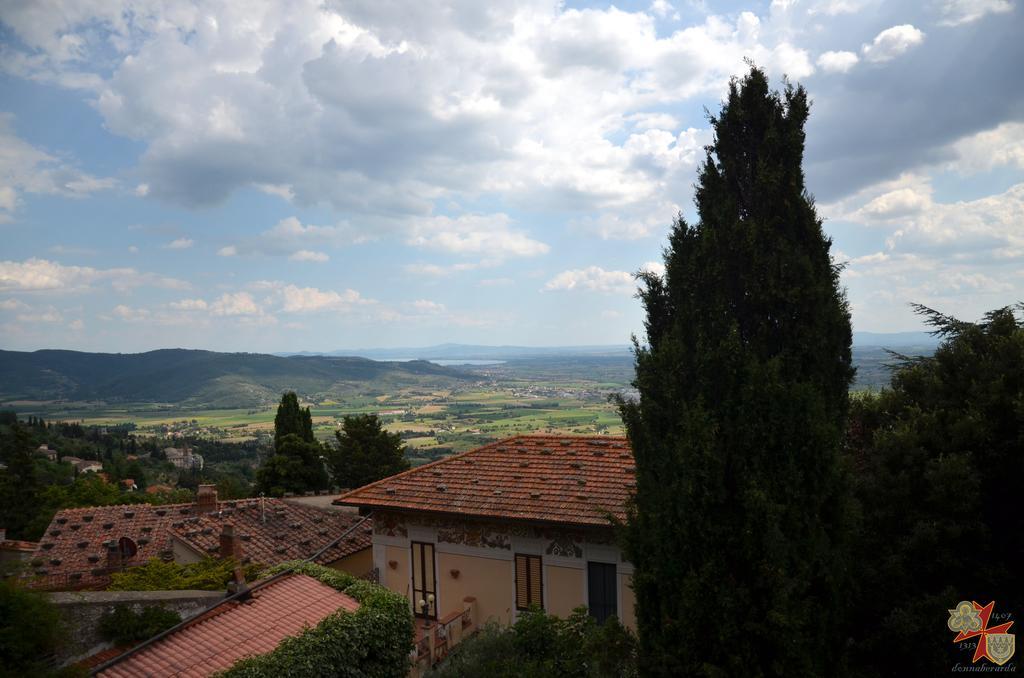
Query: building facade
[(522, 522)]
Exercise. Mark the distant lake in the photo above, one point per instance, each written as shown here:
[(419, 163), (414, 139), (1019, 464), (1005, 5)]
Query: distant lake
[(445, 363)]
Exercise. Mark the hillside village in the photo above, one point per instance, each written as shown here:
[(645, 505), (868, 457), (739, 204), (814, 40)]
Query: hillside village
[(300, 558), (692, 339)]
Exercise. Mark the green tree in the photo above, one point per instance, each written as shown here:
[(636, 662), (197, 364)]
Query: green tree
[(365, 452), (297, 463), (296, 466), (291, 419), (30, 631), (940, 459), (737, 524), (19, 486)]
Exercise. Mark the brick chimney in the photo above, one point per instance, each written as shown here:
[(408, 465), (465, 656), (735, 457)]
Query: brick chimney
[(113, 557), (230, 544), (206, 499)]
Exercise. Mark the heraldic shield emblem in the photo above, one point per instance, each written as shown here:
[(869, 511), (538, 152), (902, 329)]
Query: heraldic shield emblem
[(1001, 647), (969, 620)]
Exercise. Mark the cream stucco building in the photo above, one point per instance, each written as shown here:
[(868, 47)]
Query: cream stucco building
[(520, 522)]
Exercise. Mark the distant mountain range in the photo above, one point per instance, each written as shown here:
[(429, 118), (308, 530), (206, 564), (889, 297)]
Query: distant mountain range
[(206, 379), (893, 340), (201, 378), (471, 352)]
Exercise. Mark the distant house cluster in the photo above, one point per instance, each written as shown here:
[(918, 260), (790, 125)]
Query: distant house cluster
[(84, 465), (184, 458), (47, 452), (81, 465)]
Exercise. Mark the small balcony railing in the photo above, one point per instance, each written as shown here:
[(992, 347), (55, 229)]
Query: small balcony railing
[(441, 637)]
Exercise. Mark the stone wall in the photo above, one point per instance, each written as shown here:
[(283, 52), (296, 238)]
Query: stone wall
[(81, 611)]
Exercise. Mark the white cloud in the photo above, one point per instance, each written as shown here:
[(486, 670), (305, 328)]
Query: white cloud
[(46, 315), (309, 255), (282, 191), (387, 113), (1002, 146), (595, 279), (662, 8), (439, 271), (236, 304), (956, 12), (428, 307), (837, 7), (898, 203), (892, 42), (76, 325), (311, 300), (496, 282), (985, 230), (290, 237), (130, 314), (655, 267), (142, 190), (490, 235), (180, 244), (43, 275), (13, 305), (26, 169), (189, 305), (837, 62)]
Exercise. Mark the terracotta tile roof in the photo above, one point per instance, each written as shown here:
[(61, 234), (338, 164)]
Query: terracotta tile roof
[(233, 630), (100, 657), (283, 531), (553, 479), (73, 550)]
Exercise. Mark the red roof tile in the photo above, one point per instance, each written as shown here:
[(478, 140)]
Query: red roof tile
[(554, 479), (233, 630), (282, 531), (73, 550)]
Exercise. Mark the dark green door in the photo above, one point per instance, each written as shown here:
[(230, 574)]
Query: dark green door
[(602, 591)]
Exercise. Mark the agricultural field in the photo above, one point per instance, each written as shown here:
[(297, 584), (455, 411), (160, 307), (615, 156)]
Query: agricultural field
[(501, 400), (433, 424), (436, 416)]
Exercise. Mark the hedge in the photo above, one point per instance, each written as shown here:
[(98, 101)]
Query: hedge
[(156, 575), (375, 641), (124, 626)]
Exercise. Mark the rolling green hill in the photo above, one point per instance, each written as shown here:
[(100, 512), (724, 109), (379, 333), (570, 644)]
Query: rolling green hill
[(202, 378)]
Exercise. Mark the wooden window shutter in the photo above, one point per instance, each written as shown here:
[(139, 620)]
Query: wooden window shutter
[(528, 582), (535, 582)]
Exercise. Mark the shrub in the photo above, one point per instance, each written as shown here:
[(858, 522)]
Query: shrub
[(125, 626), (540, 645), (156, 575), (30, 632), (372, 642)]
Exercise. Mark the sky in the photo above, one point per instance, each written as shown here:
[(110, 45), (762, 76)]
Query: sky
[(284, 175)]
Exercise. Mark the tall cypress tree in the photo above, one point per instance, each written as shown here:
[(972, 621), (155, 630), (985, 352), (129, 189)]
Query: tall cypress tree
[(736, 530), (297, 463), (291, 419)]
